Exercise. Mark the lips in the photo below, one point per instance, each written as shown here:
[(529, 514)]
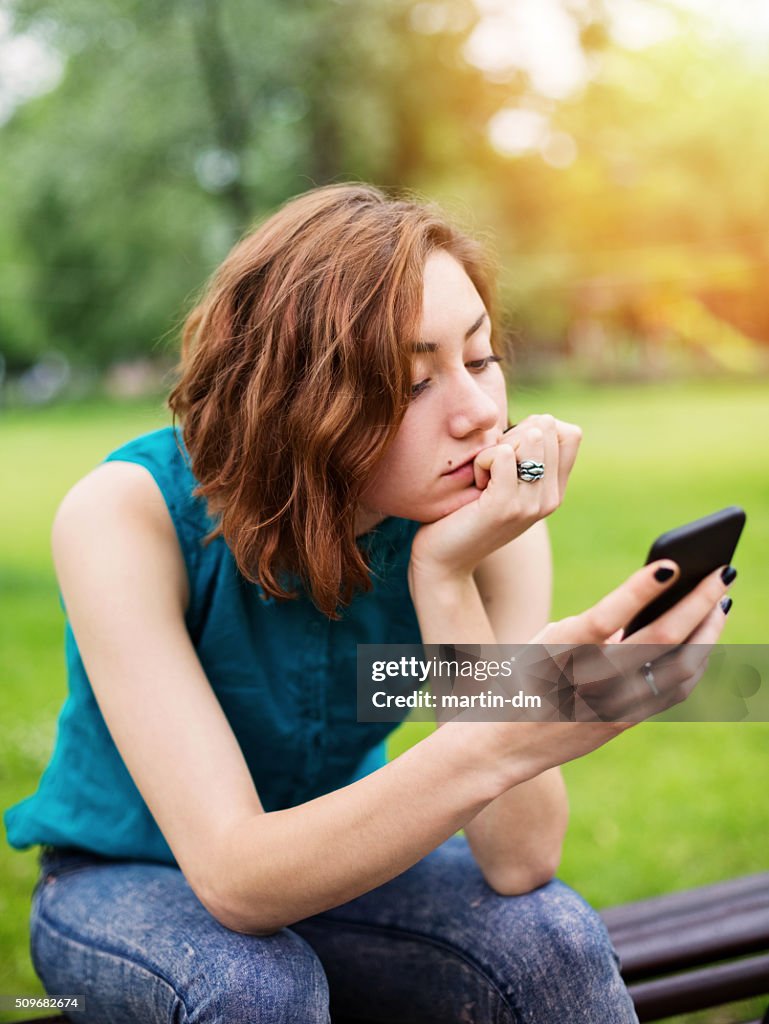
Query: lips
[(467, 462)]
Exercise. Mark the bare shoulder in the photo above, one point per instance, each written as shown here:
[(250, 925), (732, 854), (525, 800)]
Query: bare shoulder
[(119, 486), (121, 502)]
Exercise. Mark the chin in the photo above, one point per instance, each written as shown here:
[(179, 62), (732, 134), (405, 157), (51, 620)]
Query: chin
[(448, 505)]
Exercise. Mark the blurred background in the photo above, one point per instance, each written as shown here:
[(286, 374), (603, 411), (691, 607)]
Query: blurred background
[(614, 155), (614, 150)]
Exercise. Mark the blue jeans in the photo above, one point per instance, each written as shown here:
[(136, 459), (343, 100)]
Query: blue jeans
[(433, 946)]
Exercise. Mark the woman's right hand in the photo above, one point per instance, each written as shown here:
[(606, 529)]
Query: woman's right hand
[(603, 672)]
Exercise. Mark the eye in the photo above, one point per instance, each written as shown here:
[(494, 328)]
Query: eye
[(482, 364), (417, 389), (477, 366)]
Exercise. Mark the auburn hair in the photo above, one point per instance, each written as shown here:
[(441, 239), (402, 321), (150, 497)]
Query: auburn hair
[(295, 374)]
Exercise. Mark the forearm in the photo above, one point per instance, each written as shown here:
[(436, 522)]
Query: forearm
[(517, 838), (280, 867)]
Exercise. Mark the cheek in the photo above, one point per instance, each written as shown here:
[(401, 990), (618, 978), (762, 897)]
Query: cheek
[(395, 484), (499, 391), (400, 465)]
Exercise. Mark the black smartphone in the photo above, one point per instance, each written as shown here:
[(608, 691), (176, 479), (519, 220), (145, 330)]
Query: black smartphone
[(698, 549)]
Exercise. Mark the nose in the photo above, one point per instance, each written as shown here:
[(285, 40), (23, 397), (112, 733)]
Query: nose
[(471, 406)]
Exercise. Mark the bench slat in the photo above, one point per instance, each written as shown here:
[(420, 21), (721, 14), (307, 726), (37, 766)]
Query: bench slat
[(672, 948), (736, 891), (700, 989), (704, 916)]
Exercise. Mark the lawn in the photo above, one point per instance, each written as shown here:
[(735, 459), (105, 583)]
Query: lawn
[(663, 807)]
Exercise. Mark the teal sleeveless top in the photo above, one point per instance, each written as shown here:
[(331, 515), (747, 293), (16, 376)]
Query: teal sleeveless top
[(284, 674)]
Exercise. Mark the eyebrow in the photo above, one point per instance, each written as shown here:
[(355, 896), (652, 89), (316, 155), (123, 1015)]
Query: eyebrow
[(432, 346)]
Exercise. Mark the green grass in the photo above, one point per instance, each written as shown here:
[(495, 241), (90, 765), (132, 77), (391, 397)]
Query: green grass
[(41, 455), (663, 807)]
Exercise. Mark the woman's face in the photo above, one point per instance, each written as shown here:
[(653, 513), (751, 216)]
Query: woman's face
[(459, 406)]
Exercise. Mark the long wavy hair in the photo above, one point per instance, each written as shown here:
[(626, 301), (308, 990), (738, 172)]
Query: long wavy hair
[(295, 374)]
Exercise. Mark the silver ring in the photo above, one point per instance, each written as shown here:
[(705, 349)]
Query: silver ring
[(530, 471), (648, 675)]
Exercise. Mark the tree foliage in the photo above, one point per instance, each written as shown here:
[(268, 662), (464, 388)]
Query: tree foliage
[(175, 126)]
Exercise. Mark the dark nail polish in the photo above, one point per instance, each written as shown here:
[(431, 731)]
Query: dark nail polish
[(663, 574), (726, 604), (729, 574)]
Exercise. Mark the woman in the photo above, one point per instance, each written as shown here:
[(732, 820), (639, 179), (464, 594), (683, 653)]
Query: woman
[(222, 838)]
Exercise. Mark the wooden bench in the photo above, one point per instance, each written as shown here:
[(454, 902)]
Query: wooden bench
[(691, 950), (688, 950)]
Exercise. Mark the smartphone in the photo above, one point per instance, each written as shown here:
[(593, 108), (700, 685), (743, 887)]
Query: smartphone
[(698, 549)]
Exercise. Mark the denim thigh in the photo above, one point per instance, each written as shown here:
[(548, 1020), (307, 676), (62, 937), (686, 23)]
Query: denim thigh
[(133, 938), (437, 945)]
